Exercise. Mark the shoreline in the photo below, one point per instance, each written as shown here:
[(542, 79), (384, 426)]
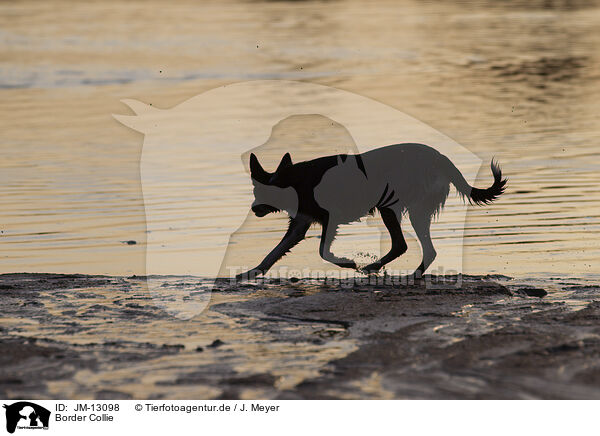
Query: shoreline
[(106, 337)]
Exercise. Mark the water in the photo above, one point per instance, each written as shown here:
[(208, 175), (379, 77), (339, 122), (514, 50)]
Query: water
[(518, 81)]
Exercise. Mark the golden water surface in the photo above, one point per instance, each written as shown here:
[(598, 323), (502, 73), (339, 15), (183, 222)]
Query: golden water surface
[(516, 80)]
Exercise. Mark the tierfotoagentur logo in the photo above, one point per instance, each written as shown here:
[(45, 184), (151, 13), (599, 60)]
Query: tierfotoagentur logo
[(25, 415), (221, 172)]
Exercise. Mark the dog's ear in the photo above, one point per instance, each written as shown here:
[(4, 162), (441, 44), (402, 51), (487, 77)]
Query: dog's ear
[(286, 161), (257, 172), (344, 159)]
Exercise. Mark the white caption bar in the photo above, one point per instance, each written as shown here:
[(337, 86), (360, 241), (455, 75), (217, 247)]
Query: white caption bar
[(24, 417)]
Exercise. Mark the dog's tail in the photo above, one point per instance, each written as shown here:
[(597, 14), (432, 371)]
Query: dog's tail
[(476, 195)]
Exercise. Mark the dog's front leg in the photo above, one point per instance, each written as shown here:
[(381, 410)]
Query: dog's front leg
[(327, 237), (295, 233)]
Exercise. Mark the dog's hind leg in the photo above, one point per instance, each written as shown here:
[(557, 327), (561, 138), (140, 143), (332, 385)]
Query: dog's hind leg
[(391, 221), (327, 237), (421, 222), (295, 233)]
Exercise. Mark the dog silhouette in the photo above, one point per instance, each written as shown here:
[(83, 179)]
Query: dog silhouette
[(395, 180)]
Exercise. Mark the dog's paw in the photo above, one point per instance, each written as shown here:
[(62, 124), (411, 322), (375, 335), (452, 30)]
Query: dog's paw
[(371, 268), (248, 275), (347, 263)]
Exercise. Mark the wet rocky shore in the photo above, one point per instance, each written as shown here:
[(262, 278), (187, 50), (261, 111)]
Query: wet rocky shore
[(492, 337)]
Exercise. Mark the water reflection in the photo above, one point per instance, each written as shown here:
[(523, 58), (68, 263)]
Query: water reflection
[(518, 80)]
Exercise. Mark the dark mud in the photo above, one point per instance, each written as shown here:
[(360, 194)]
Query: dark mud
[(74, 336)]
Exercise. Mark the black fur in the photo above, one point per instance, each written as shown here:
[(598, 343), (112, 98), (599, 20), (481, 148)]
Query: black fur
[(401, 178)]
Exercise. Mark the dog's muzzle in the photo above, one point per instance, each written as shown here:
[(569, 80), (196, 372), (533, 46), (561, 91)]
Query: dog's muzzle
[(261, 210)]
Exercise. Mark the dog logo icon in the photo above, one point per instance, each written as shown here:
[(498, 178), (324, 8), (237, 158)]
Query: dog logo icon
[(26, 415)]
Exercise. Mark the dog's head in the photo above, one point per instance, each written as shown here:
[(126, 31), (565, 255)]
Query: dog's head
[(271, 191)]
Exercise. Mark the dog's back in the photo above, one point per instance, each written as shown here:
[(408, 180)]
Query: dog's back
[(415, 173)]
